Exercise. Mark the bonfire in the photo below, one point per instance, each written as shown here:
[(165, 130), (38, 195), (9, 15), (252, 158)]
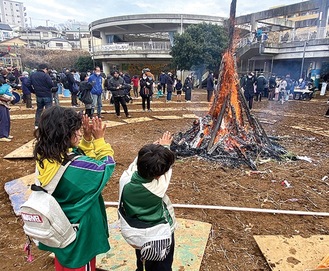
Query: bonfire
[(229, 133)]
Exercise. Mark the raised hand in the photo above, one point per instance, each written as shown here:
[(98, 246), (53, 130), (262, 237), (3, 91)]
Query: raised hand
[(166, 138), (87, 128), (98, 128)]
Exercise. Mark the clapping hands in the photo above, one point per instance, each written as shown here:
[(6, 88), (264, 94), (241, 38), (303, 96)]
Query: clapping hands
[(92, 128)]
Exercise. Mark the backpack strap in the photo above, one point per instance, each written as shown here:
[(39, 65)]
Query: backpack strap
[(50, 188)]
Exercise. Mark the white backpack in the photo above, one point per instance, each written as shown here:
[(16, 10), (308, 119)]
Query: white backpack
[(44, 219)]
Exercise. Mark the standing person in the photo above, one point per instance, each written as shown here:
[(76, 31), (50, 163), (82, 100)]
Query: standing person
[(146, 90), (85, 93), (118, 88), (170, 88), (271, 87), (54, 89), (41, 83), (282, 90), (187, 88), (260, 87), (6, 97), (143, 196), (73, 87), (163, 81), (210, 86), (135, 81), (248, 85), (97, 82), (79, 191), (179, 87), (27, 97)]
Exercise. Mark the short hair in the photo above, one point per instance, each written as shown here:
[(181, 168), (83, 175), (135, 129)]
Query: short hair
[(42, 66), (83, 76), (154, 160), (54, 133), (114, 71)]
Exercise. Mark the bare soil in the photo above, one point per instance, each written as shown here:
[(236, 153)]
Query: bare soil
[(231, 245)]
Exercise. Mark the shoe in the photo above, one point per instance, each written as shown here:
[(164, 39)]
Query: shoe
[(10, 137), (5, 139), (128, 116), (327, 116), (118, 116), (149, 110), (35, 127)]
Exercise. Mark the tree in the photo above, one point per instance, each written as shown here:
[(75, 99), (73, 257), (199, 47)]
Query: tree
[(84, 63), (201, 44)]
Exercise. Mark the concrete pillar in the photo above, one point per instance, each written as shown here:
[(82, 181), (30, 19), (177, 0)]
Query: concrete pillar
[(253, 23), (106, 67), (103, 37), (323, 18)]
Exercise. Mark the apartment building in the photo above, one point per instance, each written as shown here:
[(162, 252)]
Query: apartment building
[(12, 13)]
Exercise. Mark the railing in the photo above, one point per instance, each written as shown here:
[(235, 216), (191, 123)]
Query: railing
[(278, 37), (131, 47)]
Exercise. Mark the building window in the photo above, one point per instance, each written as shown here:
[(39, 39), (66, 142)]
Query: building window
[(59, 44), (45, 34)]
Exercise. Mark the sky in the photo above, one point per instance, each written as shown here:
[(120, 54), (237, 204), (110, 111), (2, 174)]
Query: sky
[(53, 12)]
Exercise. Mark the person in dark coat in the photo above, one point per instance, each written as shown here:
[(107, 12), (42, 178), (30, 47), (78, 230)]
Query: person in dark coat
[(26, 90), (163, 81), (271, 87), (210, 86), (119, 88), (73, 87), (248, 86), (187, 88), (146, 90), (260, 87), (170, 86), (41, 83)]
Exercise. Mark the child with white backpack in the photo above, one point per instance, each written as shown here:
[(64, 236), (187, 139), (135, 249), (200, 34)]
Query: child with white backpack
[(147, 216), (78, 191)]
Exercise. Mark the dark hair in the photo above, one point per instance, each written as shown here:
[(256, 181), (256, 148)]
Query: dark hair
[(54, 133), (114, 71), (154, 161), (42, 66), (83, 75)]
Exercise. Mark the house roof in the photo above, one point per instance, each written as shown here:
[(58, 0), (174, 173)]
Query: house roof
[(14, 41), (5, 27), (58, 39)]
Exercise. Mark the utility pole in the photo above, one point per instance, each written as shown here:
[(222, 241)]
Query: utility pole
[(80, 37), (303, 59)]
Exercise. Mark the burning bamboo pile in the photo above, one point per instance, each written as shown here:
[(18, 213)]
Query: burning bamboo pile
[(229, 133)]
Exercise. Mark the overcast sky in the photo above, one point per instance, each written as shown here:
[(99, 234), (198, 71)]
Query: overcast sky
[(60, 11)]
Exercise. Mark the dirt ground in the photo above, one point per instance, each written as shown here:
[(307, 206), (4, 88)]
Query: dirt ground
[(231, 245)]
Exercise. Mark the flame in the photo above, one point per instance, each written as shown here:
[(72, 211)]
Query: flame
[(228, 88)]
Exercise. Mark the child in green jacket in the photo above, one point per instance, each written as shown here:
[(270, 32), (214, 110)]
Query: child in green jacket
[(143, 189)]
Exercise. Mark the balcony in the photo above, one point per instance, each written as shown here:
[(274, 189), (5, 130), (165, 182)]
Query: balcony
[(134, 49)]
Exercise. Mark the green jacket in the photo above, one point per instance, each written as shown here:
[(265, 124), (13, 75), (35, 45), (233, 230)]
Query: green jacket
[(79, 194)]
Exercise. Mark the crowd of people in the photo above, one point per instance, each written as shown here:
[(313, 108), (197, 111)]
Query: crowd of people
[(275, 88), (90, 88)]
